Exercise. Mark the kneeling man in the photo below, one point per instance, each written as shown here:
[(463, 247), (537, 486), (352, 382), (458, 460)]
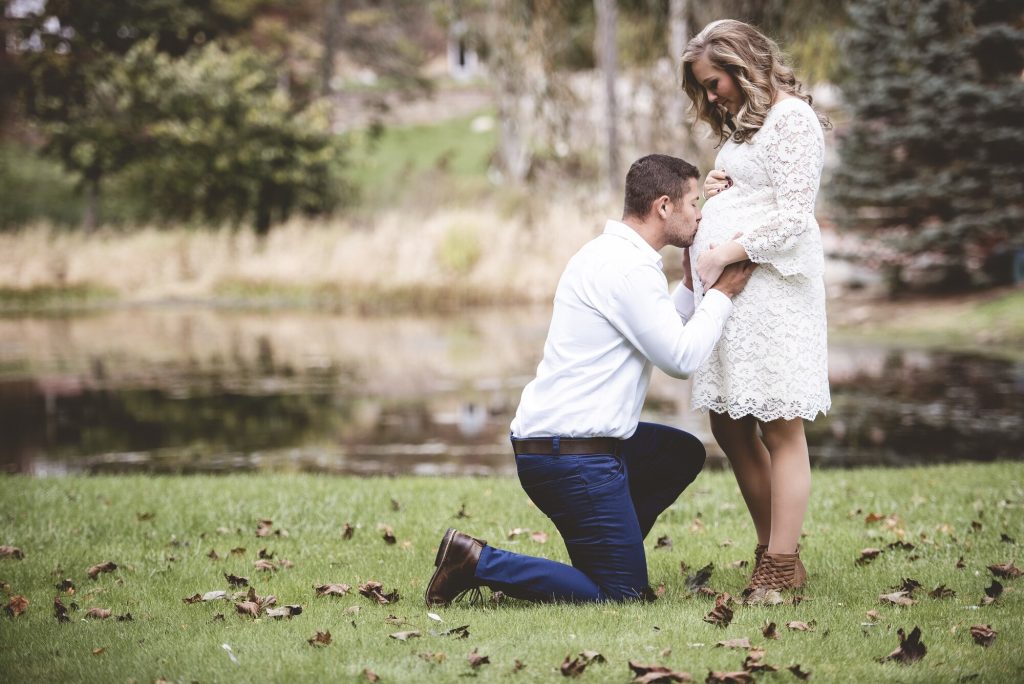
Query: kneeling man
[(582, 455)]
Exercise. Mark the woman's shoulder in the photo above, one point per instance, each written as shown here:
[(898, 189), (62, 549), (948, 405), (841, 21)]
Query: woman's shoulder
[(792, 113)]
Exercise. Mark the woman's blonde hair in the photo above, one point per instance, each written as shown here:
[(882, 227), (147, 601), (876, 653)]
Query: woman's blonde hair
[(755, 63)]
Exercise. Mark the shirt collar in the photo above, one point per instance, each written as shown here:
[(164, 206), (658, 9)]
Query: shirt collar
[(620, 229)]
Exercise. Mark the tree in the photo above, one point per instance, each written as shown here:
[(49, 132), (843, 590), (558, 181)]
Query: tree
[(933, 159), (608, 58)]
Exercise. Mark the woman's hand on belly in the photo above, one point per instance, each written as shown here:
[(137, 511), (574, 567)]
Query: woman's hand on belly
[(713, 261), (715, 183)]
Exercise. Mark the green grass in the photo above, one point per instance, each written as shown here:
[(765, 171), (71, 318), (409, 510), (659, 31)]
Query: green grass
[(422, 165), (44, 298), (66, 525)]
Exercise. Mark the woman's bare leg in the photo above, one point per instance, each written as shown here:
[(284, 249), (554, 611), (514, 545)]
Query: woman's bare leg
[(790, 482), (751, 464)]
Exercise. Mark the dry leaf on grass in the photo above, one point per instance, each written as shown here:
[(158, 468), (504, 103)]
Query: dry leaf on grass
[(98, 613), (60, 611), (800, 626), (320, 639), (663, 543), (874, 615), (347, 531), (700, 578), (434, 658), (897, 598), (868, 555), (236, 580), (370, 675), (66, 586), (983, 635), (576, 666), (238, 551), (907, 584), (105, 566), (16, 606), (460, 632), (375, 591), (395, 505), (910, 650), (462, 512), (941, 592), (332, 589), (263, 528), (1005, 570), (250, 608), (264, 565), (992, 592), (352, 610), (798, 672), (11, 552), (287, 611), (742, 642), (405, 636), (539, 537), (213, 555), (656, 674), (721, 614), (387, 533), (475, 660), (754, 662), (769, 631), (740, 677), (517, 665)]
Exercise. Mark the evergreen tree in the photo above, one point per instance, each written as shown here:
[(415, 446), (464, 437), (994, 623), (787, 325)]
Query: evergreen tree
[(933, 158)]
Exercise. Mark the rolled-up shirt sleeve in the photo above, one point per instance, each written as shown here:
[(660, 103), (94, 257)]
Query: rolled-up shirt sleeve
[(642, 310), (684, 300)]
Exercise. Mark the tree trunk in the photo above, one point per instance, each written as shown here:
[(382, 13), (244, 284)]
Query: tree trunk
[(679, 29), (91, 213), (607, 59), (332, 15)]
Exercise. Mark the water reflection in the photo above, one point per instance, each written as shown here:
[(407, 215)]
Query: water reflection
[(179, 390)]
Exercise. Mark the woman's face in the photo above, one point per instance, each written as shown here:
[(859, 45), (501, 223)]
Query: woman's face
[(720, 87)]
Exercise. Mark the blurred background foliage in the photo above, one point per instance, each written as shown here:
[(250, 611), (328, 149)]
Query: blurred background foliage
[(247, 112)]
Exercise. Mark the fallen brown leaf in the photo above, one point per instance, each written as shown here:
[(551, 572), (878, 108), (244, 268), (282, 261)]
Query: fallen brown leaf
[(213, 555), (907, 584), (405, 636), (370, 675), (375, 590), (800, 626), (539, 537), (983, 635), (214, 596), (874, 615), (697, 526), (576, 666), (976, 526), (98, 613), (238, 551), (897, 598), (127, 617), (16, 606), (769, 631), (331, 589), (264, 565), (721, 614), (516, 666), (265, 554), (434, 658), (352, 610), (11, 552), (901, 545), (1007, 538), (395, 505), (287, 611), (742, 642), (285, 563), (105, 566), (388, 534), (460, 632), (320, 639), (911, 648), (263, 528), (992, 592), (754, 662), (515, 532), (656, 674), (462, 512), (960, 565), (941, 592), (1005, 570), (67, 586), (347, 531), (868, 555), (700, 578), (798, 672), (145, 515), (250, 608), (60, 611), (663, 543), (236, 580), (98, 651), (476, 660), (496, 598), (740, 677), (219, 617)]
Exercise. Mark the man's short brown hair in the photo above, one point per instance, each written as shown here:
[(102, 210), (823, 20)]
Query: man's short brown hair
[(651, 177)]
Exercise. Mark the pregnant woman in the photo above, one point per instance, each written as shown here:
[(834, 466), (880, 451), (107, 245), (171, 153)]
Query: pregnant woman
[(769, 371)]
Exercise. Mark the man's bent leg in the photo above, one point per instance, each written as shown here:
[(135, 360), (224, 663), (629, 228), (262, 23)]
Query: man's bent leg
[(661, 462), (534, 579)]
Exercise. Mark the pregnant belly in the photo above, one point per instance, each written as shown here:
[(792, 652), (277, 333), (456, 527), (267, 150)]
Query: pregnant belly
[(724, 216)]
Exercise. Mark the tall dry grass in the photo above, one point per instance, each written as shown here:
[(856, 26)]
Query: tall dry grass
[(479, 254)]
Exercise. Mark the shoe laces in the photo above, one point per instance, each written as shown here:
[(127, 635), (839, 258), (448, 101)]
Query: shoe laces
[(473, 595)]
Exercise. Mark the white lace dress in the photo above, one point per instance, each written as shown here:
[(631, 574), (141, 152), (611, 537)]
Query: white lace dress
[(772, 359)]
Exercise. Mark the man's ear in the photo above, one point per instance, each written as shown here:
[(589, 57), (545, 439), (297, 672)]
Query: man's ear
[(660, 206)]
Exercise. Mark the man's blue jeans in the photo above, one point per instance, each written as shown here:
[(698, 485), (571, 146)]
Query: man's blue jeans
[(603, 505)]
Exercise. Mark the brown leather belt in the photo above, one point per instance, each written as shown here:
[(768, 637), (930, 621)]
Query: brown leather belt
[(565, 446)]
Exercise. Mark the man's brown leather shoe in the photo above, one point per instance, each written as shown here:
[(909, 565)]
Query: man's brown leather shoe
[(456, 562)]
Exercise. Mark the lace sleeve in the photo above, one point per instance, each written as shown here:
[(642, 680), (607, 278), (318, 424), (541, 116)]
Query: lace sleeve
[(793, 156)]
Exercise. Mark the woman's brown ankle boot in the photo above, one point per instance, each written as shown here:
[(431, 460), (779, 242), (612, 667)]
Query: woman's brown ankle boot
[(776, 571), (759, 552)]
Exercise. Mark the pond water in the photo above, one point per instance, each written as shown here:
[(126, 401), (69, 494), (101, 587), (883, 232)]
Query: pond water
[(206, 390)]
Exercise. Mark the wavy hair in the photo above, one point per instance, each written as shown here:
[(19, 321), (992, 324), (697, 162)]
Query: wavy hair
[(757, 66)]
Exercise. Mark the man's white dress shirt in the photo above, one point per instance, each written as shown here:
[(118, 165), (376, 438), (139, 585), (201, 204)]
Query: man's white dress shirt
[(612, 318)]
